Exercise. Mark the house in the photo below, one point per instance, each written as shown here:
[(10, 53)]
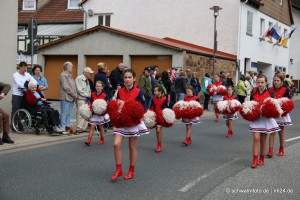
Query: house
[(240, 25), (8, 47), (113, 46), (55, 19)]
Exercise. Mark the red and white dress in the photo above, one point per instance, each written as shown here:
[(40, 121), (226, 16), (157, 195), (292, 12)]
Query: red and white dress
[(230, 116), (279, 93), (195, 120), (132, 94), (98, 119), (157, 105), (263, 124), (217, 97)]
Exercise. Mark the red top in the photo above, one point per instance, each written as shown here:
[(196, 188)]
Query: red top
[(131, 94), (33, 100), (193, 98), (280, 92), (218, 83), (232, 97), (94, 96), (260, 97), (159, 104)]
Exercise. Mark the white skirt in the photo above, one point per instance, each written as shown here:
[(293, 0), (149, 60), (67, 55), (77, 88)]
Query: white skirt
[(132, 131), (284, 121), (264, 125), (195, 120), (230, 116), (99, 120), (217, 98)]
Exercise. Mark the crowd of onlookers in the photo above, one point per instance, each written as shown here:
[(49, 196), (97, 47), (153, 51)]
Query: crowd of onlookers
[(30, 88)]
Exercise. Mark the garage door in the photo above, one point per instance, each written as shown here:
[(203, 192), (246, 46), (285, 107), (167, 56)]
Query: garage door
[(53, 69), (138, 63), (111, 61)]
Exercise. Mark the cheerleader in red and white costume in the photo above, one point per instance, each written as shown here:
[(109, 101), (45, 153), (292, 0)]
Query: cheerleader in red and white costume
[(262, 126), (189, 122), (128, 92), (217, 97), (229, 117), (97, 120), (159, 103), (279, 91)]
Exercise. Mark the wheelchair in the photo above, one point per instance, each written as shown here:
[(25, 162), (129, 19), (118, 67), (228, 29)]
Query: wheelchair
[(27, 119)]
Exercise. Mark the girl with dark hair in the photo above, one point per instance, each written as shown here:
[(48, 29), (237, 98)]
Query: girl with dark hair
[(229, 117), (279, 91), (216, 98)]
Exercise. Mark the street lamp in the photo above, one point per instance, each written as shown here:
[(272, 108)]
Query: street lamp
[(216, 13)]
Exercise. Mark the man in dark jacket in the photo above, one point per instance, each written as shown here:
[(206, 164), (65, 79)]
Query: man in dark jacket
[(101, 76), (116, 77), (145, 84), (4, 116)]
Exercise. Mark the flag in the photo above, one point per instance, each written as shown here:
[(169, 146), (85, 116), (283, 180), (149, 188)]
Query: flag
[(279, 40), (284, 40), (274, 31), (267, 33), (290, 34)]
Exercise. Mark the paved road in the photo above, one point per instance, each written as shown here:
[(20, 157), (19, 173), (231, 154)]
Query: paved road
[(206, 169)]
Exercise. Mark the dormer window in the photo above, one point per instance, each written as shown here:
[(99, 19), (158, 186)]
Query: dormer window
[(73, 4), (29, 4)]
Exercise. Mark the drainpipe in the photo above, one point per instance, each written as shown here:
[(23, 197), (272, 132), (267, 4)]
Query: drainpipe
[(85, 17)]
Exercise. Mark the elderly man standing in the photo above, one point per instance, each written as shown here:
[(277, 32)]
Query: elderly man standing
[(116, 77), (4, 117), (68, 96), (145, 84), (84, 93)]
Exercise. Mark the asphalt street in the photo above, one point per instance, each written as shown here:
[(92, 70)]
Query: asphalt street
[(213, 167)]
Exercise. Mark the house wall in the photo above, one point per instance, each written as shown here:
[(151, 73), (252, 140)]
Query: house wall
[(191, 21), (257, 51), (8, 47)]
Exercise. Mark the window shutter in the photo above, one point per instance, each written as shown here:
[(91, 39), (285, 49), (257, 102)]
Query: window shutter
[(249, 23), (107, 20)]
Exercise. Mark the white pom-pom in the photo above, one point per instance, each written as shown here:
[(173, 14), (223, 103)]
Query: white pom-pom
[(222, 106), (235, 103), (85, 111), (169, 115), (194, 104), (276, 102), (150, 119), (99, 106), (182, 104), (248, 106), (282, 100)]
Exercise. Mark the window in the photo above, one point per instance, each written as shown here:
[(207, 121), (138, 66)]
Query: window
[(262, 26), (104, 20), (29, 4), (73, 4), (281, 2), (249, 23)]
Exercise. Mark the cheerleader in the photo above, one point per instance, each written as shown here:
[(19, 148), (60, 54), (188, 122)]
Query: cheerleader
[(97, 120), (229, 117), (159, 103), (189, 122), (128, 92), (217, 97), (262, 126), (279, 91)]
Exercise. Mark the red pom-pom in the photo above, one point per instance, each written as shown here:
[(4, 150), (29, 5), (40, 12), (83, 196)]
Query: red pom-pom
[(222, 107), (179, 109), (271, 108), (132, 113), (221, 90), (250, 110), (114, 108), (234, 106), (211, 90), (287, 105), (161, 121), (196, 108)]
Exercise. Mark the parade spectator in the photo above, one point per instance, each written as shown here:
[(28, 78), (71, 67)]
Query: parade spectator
[(255, 74), (188, 77), (241, 89), (180, 86), (101, 76), (21, 79), (206, 81), (145, 85), (249, 88), (84, 95), (116, 77), (166, 80), (224, 79), (68, 96), (251, 74), (4, 116), (195, 83), (158, 78), (41, 80)]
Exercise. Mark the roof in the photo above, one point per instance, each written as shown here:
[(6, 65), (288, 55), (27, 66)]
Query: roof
[(166, 42), (53, 11), (55, 29)]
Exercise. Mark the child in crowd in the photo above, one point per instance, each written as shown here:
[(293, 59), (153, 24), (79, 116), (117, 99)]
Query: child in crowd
[(217, 82)]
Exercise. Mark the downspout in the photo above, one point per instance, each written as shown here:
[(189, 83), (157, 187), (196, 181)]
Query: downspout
[(85, 17)]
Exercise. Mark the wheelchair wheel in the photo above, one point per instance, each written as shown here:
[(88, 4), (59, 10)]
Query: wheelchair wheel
[(21, 121)]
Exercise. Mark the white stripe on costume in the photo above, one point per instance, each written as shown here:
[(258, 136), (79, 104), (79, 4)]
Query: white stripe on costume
[(216, 98), (99, 120), (132, 131), (284, 121), (195, 120), (230, 116), (264, 125)]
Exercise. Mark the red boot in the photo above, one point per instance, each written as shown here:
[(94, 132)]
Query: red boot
[(101, 141), (88, 142), (229, 133), (118, 172), (158, 148), (270, 154), (130, 173), (281, 152), (261, 160), (190, 140), (187, 141), (217, 118), (254, 163)]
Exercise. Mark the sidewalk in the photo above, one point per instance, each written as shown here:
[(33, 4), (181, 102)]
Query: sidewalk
[(30, 139)]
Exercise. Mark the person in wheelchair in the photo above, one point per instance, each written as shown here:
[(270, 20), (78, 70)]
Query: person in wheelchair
[(35, 98)]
